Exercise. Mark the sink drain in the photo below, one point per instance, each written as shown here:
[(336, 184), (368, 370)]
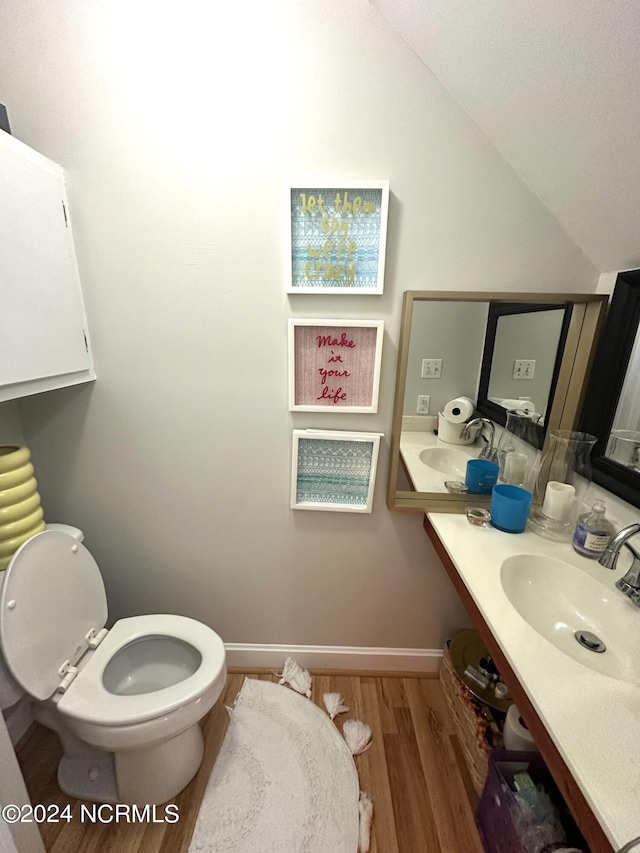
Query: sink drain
[(590, 641)]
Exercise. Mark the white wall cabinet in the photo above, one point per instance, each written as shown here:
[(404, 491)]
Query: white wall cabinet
[(44, 339)]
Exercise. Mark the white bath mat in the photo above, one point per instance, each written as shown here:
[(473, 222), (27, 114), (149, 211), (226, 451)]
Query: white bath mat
[(284, 780)]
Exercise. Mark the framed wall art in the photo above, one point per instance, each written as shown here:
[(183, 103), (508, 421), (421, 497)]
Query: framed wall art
[(337, 237), (334, 365), (334, 470)]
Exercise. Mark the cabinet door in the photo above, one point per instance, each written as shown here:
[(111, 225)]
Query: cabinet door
[(44, 342)]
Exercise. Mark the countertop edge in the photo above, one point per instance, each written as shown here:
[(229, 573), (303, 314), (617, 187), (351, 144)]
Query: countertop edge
[(576, 801)]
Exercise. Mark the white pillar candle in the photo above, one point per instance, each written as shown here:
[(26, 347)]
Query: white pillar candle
[(558, 500), (515, 467)]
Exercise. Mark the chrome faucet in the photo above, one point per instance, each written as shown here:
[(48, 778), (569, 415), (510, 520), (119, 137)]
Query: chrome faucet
[(630, 583), (488, 451)]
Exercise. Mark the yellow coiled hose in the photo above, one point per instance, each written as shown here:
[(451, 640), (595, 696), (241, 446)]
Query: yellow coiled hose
[(21, 515)]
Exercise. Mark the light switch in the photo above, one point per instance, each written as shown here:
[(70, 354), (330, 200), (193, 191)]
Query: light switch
[(431, 368), (523, 368)]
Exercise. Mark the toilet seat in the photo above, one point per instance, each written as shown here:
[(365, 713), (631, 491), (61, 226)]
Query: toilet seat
[(87, 699), (52, 601)]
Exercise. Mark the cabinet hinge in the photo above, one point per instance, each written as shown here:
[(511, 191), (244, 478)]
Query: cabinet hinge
[(64, 210)]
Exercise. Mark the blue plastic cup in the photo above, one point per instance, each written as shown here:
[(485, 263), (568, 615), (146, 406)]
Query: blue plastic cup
[(481, 476), (509, 508)]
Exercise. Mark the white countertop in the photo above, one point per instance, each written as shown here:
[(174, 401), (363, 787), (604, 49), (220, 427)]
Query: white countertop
[(593, 720), (425, 479)]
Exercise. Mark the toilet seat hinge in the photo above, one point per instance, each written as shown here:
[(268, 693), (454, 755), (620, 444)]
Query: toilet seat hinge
[(68, 673), (94, 638)]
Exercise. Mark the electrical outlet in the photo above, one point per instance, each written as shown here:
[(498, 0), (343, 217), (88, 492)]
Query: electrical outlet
[(431, 368), (423, 404), (523, 368)]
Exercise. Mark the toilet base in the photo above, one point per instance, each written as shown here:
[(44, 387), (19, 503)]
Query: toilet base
[(134, 776), (156, 774), (151, 775), (84, 772), (89, 778)]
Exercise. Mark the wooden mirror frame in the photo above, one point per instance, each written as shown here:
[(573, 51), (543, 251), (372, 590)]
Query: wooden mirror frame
[(582, 333)]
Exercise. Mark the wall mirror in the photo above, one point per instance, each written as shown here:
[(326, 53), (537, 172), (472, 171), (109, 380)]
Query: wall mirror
[(612, 404), (509, 381), (445, 339)]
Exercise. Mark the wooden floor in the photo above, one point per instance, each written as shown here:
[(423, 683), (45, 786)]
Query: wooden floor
[(414, 773)]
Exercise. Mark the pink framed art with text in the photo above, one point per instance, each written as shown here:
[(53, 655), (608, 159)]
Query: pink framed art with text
[(334, 365)]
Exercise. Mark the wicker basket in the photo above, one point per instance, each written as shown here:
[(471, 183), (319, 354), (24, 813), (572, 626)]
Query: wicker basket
[(471, 727)]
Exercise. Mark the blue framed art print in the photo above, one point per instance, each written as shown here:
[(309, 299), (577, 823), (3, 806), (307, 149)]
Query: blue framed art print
[(334, 470)]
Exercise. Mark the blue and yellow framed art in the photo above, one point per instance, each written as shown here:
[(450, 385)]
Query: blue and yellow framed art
[(337, 237)]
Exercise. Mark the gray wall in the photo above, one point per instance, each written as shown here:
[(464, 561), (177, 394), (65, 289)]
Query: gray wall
[(179, 131)]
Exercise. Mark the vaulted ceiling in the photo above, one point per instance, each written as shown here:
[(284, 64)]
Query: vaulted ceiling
[(555, 85)]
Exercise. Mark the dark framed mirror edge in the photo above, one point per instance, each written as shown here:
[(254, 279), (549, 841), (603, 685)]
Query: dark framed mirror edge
[(605, 385), (584, 328), (487, 407)]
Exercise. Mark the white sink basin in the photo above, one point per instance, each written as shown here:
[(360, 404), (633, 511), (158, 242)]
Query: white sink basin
[(558, 600), (453, 463)]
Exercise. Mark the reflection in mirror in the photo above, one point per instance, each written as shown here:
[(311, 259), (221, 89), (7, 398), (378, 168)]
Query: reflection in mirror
[(624, 441), (443, 338), (623, 447), (612, 406), (452, 333), (525, 382), (522, 356), (520, 348)]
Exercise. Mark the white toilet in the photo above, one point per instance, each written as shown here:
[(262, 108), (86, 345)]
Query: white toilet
[(125, 702)]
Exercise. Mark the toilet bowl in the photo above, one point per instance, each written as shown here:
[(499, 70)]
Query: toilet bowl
[(126, 702)]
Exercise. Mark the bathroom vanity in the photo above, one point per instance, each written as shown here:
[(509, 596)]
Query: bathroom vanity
[(527, 596)]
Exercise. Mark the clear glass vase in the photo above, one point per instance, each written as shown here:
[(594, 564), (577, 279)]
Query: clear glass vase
[(562, 482), (517, 451), (624, 448)]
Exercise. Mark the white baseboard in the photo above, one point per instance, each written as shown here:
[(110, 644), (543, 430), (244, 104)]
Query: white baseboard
[(347, 658)]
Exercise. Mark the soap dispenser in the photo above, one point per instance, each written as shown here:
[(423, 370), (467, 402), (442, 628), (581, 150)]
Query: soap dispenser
[(593, 532)]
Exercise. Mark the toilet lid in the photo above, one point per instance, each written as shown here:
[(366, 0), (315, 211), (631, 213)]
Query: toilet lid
[(52, 596)]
